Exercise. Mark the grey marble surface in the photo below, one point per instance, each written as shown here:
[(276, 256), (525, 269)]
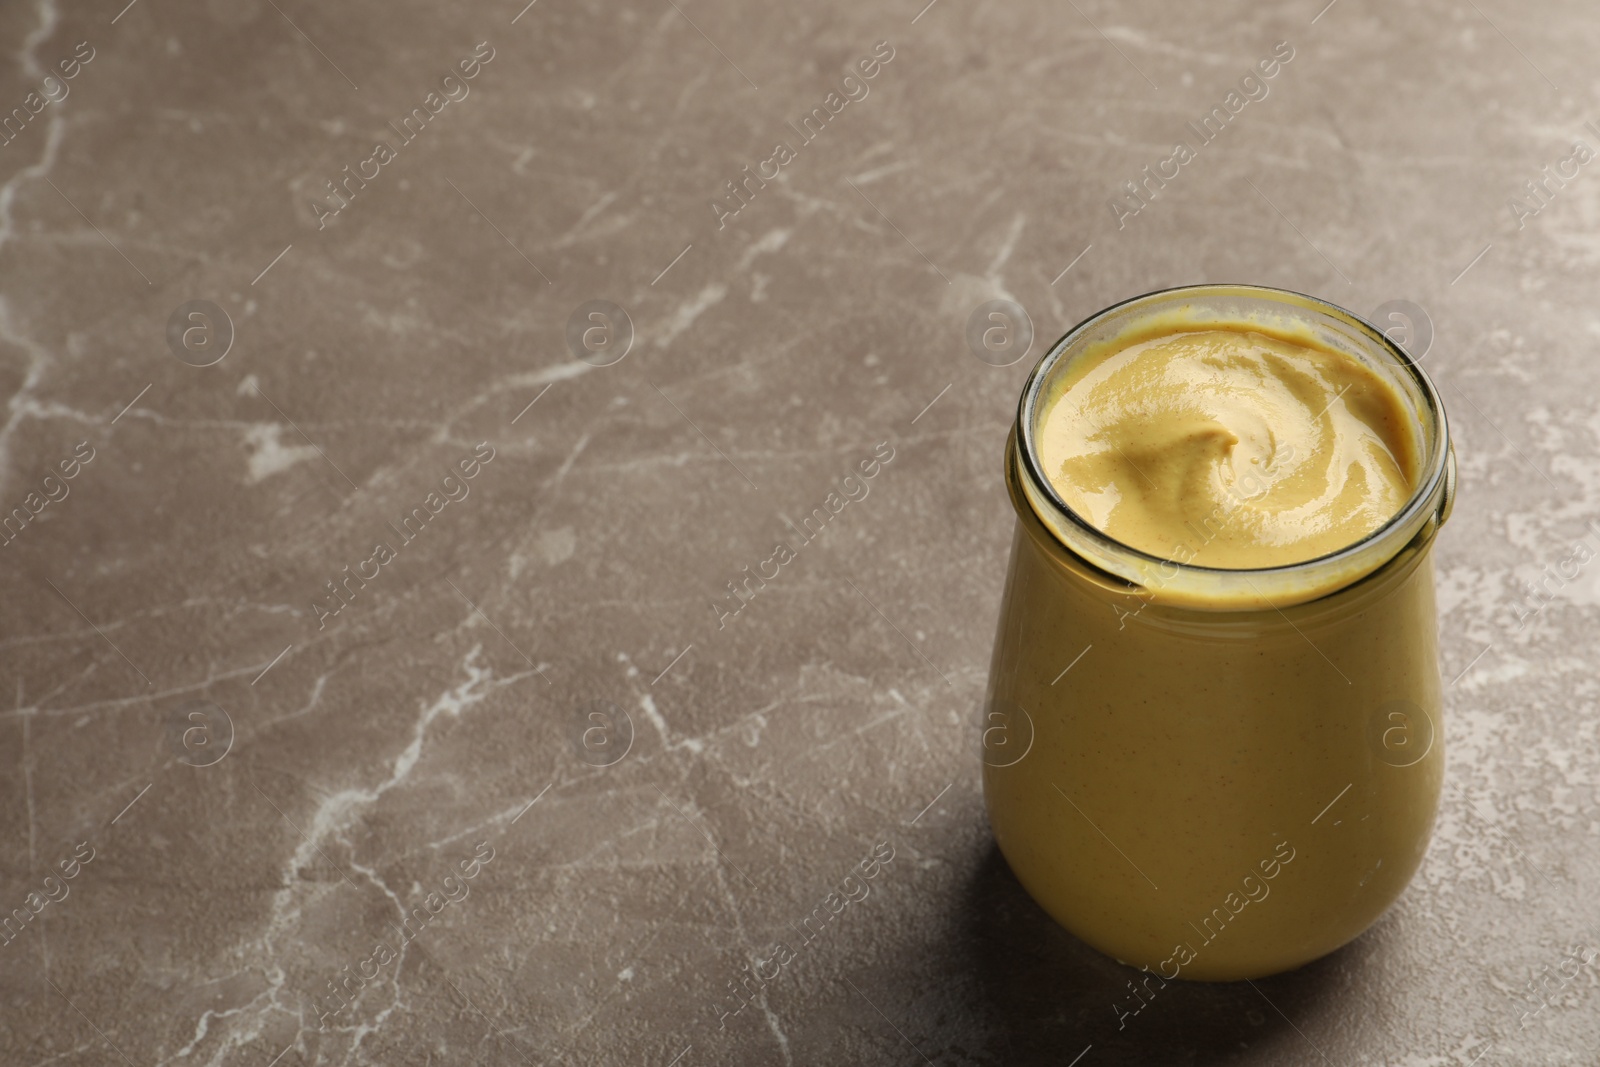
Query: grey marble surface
[(266, 790)]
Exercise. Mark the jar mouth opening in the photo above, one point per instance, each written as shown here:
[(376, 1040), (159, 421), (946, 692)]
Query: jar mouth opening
[(1194, 585)]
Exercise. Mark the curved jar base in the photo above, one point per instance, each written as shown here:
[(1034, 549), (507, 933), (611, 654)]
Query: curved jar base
[(1213, 802)]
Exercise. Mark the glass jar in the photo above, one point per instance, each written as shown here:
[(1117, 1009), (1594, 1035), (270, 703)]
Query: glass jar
[(1217, 774)]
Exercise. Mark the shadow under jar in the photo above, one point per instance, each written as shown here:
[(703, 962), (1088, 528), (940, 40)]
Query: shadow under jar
[(1217, 774)]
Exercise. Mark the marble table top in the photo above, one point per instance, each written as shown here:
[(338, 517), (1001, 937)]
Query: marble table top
[(399, 398)]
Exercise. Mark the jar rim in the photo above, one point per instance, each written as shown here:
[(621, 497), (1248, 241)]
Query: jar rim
[(1222, 588)]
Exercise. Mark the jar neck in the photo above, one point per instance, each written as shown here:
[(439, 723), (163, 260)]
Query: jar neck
[(1165, 581)]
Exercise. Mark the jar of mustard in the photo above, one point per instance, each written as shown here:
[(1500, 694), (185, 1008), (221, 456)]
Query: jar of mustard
[(1213, 736)]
